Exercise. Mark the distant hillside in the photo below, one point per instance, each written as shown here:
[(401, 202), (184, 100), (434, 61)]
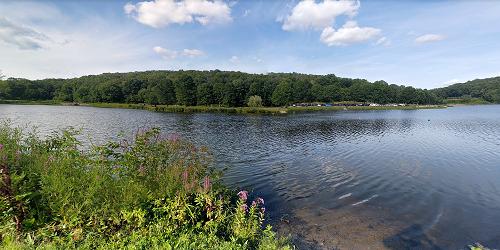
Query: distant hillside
[(220, 88), (487, 89)]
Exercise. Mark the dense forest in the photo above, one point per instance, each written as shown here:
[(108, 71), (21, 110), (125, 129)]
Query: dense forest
[(487, 89), (215, 87)]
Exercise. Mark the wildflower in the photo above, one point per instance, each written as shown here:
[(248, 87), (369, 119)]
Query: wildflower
[(243, 195), (263, 210), (260, 201), (206, 183), (1, 146), (244, 207)]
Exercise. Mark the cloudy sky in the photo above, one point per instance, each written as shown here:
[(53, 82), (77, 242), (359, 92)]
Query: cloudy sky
[(421, 43)]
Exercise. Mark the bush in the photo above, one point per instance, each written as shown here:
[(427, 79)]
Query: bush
[(152, 192), (254, 101)]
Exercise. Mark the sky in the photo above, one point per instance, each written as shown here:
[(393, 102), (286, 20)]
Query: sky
[(426, 44)]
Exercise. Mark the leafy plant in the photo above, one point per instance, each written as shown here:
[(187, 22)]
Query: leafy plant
[(152, 192)]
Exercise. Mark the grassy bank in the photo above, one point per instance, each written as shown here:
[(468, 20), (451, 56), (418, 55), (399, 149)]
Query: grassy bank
[(256, 110), (324, 108), (229, 110), (153, 192), (192, 109), (27, 102)]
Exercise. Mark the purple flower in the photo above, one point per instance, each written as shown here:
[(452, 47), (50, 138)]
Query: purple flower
[(243, 195), (263, 209), (1, 146), (260, 201), (244, 207), (257, 202)]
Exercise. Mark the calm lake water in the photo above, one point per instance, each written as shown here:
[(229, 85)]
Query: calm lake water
[(423, 179)]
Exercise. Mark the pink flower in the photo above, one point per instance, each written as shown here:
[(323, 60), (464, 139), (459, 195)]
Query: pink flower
[(260, 201), (243, 195), (1, 146)]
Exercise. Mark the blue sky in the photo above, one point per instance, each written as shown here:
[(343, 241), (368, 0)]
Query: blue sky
[(425, 44)]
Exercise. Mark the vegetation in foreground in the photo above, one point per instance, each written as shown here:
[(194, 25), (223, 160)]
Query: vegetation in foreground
[(152, 192)]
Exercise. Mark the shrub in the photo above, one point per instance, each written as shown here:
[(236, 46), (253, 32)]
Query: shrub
[(254, 101), (152, 192)]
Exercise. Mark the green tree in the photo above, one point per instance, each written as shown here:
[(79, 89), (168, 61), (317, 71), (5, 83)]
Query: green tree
[(205, 94), (301, 90), (111, 92), (254, 101), (282, 94), (65, 92), (185, 90)]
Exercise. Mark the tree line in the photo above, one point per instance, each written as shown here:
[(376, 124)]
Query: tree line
[(224, 88), (487, 89)]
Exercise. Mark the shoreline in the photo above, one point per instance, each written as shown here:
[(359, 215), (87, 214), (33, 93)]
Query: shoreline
[(228, 110)]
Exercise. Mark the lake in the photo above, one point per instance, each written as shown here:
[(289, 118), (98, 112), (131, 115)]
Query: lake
[(423, 179)]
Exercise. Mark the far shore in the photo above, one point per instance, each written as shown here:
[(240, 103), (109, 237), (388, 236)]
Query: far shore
[(222, 109)]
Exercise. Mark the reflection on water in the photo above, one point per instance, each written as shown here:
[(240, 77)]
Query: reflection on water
[(386, 179)]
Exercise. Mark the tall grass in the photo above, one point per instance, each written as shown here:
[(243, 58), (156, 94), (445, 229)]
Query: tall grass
[(151, 192)]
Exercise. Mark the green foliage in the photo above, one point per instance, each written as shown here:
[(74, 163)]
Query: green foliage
[(152, 192), (185, 90), (486, 89), (222, 88), (282, 95), (254, 101)]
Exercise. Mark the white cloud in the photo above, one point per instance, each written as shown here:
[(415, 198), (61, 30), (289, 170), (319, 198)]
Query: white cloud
[(309, 14), (165, 53), (20, 36), (383, 41), (348, 34), (192, 52), (30, 12), (427, 38), (161, 13), (173, 54), (234, 59)]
